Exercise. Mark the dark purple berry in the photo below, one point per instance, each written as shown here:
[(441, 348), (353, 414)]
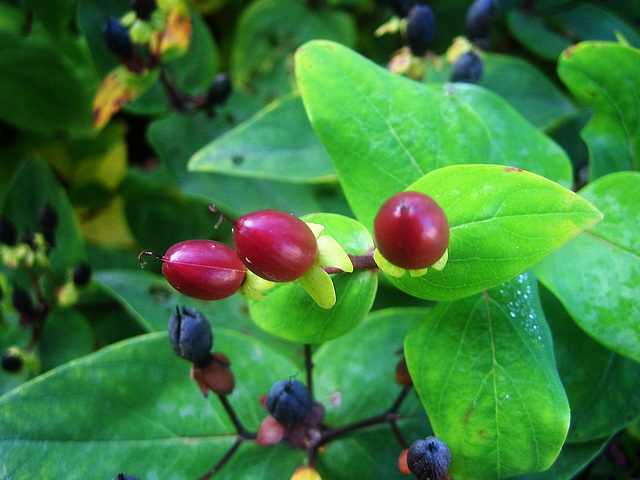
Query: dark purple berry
[(124, 476), (478, 20), (429, 459), (289, 402), (11, 363), (8, 232), (143, 8), (421, 29), (219, 90), (22, 301), (467, 68), (117, 38), (401, 7), (81, 274), (48, 221), (191, 336)]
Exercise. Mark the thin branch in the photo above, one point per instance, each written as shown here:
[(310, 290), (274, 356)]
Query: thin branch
[(242, 432), (227, 456), (308, 363)]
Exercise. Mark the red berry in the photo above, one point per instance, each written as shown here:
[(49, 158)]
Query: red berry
[(274, 245), (411, 230), (203, 269)]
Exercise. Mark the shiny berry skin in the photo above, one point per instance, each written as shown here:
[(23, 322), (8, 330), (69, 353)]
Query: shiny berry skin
[(421, 29), (429, 459), (478, 20), (219, 90), (411, 230), (191, 336), (203, 269), (467, 68), (274, 245), (289, 402), (117, 38)]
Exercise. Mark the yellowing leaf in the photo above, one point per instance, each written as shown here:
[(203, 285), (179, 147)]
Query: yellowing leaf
[(117, 89), (173, 42)]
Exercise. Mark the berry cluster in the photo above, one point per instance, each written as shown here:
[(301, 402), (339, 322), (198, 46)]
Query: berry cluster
[(34, 287)]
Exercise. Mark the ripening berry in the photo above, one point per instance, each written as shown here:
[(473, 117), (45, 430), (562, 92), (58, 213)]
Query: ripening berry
[(289, 402), (411, 230), (429, 459), (467, 68), (191, 336), (478, 20), (421, 29), (203, 269), (276, 246)]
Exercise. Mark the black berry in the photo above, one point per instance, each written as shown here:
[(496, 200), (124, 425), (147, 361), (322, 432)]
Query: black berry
[(117, 38), (11, 363), (401, 7), (48, 221), (81, 274), (143, 8), (467, 68), (219, 90), (22, 301), (421, 29), (124, 476), (289, 402), (429, 459), (8, 232), (191, 336), (478, 20)]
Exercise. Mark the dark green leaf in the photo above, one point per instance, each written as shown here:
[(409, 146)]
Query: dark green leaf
[(66, 335), (485, 371), (289, 312), (132, 407), (502, 221), (384, 132), (277, 143), (600, 286), (602, 386), (606, 77), (267, 35)]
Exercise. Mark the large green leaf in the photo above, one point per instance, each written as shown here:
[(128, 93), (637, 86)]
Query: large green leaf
[(132, 407), (384, 131), (485, 371), (502, 221), (289, 312), (354, 381), (600, 286), (606, 77), (46, 87), (526, 88), (278, 143), (267, 35), (601, 385)]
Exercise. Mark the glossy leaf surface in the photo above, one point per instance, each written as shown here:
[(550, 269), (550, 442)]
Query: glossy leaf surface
[(600, 286), (485, 371), (305, 321), (606, 77), (278, 143), (384, 132), (130, 407), (497, 229)]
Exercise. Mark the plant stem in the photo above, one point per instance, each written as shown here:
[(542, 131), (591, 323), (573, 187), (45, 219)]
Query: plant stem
[(223, 460), (242, 432), (360, 262), (308, 363)]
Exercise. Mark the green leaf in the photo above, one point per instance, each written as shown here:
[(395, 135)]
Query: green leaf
[(485, 372), (277, 143), (606, 77), (46, 87), (601, 286), (267, 35), (536, 35), (132, 407), (33, 187), (56, 16), (502, 221), (517, 81), (384, 131), (602, 386), (356, 381), (305, 321), (64, 327)]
